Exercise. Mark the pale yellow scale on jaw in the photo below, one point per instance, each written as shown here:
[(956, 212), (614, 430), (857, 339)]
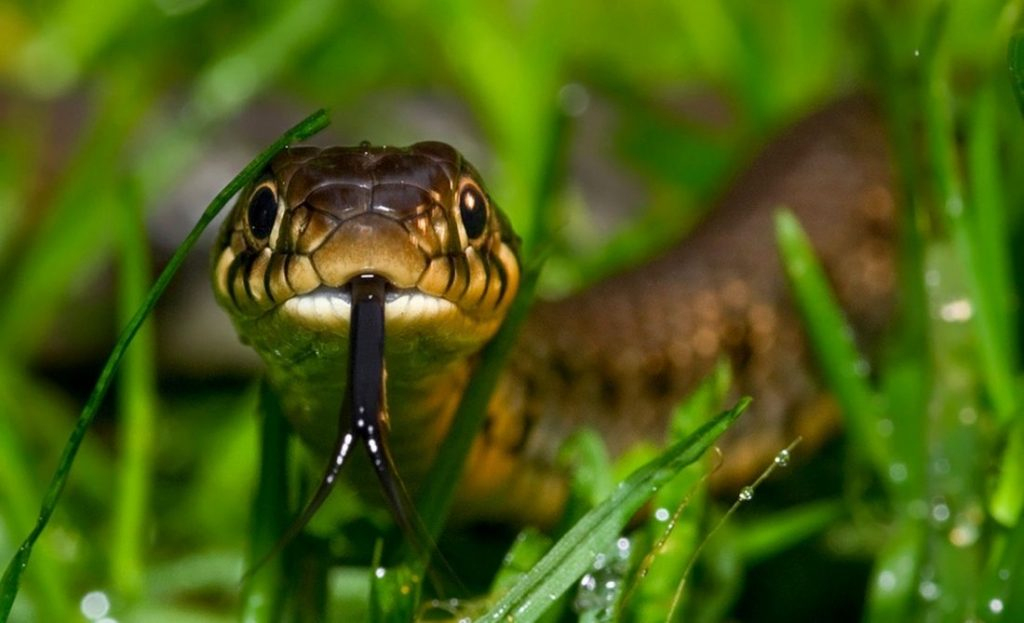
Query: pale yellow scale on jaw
[(330, 310)]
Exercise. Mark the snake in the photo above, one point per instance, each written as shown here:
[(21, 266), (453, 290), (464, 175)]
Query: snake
[(412, 234)]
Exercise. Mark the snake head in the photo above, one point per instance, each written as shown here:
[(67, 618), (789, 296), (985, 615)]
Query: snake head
[(291, 267), (315, 219)]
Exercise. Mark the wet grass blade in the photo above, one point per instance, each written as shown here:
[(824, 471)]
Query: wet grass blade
[(893, 585), (263, 592), (574, 553), (1015, 59), (137, 397), (982, 278), (436, 498), (843, 367), (12, 575)]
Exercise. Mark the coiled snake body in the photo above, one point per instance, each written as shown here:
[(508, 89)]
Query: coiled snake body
[(617, 356)]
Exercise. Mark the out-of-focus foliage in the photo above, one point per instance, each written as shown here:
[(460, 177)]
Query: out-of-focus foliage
[(112, 109)]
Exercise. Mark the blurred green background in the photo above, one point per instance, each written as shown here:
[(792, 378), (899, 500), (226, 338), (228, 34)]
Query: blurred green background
[(120, 120)]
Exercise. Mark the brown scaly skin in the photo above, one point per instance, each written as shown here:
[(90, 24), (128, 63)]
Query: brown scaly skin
[(617, 356)]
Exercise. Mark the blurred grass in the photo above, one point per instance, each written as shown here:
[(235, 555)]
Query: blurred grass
[(106, 108), (138, 404)]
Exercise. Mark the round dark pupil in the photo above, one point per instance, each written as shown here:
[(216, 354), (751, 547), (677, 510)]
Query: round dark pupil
[(474, 214), (262, 212)]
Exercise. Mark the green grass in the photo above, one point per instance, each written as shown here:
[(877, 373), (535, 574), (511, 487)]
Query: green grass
[(106, 115)]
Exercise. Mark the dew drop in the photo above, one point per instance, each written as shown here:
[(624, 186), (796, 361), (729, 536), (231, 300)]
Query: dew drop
[(782, 458), (941, 465), (662, 514), (995, 605), (746, 494), (599, 589), (95, 605), (887, 580), (929, 590), (960, 310), (623, 546), (897, 472), (965, 533)]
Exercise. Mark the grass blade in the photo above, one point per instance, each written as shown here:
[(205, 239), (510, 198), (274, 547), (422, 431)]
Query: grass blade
[(12, 575), (137, 397), (572, 555), (437, 495), (1015, 59), (435, 500), (830, 336), (263, 591)]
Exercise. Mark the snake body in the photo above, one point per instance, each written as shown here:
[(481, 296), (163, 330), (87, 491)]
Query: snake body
[(616, 356)]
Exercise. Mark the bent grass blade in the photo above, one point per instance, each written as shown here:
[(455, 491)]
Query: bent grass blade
[(19, 562), (575, 552)]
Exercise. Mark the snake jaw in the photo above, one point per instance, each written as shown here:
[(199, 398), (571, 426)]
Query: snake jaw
[(328, 308)]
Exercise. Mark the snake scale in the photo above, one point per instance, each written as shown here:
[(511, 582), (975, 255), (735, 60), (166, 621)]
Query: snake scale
[(616, 356)]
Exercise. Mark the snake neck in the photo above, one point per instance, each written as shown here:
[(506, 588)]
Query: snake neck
[(620, 355), (310, 372)]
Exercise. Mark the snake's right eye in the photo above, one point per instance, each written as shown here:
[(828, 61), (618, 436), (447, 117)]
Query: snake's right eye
[(262, 212), (473, 210)]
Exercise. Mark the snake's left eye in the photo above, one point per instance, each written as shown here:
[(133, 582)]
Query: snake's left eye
[(262, 212), (473, 209)]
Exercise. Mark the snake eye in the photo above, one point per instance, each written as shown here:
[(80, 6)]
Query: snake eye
[(262, 212), (473, 208)]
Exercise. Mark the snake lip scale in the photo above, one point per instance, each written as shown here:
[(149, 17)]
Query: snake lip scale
[(332, 306)]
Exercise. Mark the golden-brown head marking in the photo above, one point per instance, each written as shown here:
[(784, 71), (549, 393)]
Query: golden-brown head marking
[(317, 218)]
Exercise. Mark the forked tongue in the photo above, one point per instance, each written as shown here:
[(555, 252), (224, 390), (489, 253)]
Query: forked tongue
[(363, 418)]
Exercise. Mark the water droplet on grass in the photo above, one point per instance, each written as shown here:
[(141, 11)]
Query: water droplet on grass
[(940, 512), (746, 494), (600, 587), (95, 605), (897, 472), (959, 310), (929, 590)]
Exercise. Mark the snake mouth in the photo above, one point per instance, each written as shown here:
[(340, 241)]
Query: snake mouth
[(330, 308)]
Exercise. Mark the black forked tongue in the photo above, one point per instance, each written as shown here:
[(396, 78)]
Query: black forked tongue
[(363, 418)]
